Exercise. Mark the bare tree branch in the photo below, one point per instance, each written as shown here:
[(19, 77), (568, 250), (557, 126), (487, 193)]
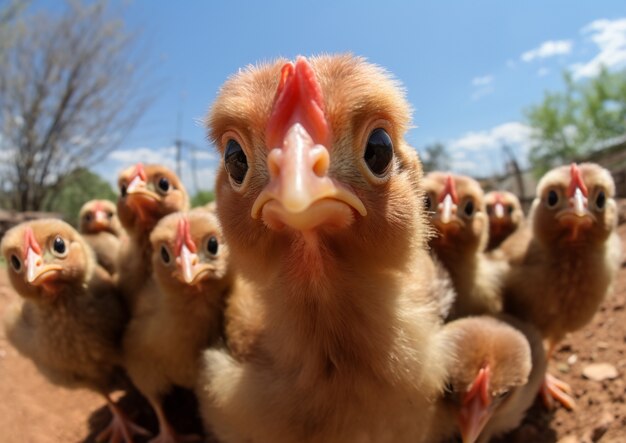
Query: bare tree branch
[(69, 93)]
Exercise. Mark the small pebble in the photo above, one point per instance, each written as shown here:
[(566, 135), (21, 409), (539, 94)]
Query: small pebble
[(600, 371)]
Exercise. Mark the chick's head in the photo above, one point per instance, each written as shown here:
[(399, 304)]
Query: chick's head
[(46, 257), (189, 251), (314, 160), (148, 193), (457, 207), (98, 216), (575, 205)]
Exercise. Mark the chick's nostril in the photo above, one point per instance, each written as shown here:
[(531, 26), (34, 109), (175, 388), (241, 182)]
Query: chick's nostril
[(275, 162), (320, 160)]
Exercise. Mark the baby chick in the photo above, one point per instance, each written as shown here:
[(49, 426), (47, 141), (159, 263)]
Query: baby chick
[(561, 273), (147, 194), (498, 368), (70, 323), (101, 229), (321, 207), (505, 216), (163, 341), (456, 205)]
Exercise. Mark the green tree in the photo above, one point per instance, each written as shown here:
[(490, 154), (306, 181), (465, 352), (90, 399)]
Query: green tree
[(202, 197), (80, 186), (435, 157), (570, 124)]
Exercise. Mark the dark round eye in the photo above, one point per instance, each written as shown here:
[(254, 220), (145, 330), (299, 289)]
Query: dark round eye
[(509, 209), (600, 200), (88, 217), (58, 246), (553, 198), (165, 255), (16, 262), (110, 214), (235, 161), (468, 209), (123, 190), (503, 395), (212, 245), (164, 184), (428, 203), (378, 152)]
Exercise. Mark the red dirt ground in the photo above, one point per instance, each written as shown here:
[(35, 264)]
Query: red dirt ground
[(34, 411)]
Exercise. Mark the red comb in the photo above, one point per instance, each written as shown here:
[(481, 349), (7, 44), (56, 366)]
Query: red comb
[(98, 206), (298, 99), (450, 189), (140, 172), (480, 386), (498, 198), (576, 181), (30, 242), (183, 237)]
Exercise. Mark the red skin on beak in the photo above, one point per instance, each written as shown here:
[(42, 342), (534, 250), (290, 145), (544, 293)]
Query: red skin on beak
[(30, 243), (450, 189), (476, 411), (298, 100), (183, 237), (576, 182), (300, 194)]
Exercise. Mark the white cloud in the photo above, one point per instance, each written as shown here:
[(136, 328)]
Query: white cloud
[(478, 152), (547, 49), (512, 133), (610, 37), (482, 81), (542, 72), (482, 86)]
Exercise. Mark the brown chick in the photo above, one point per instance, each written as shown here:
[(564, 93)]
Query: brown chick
[(70, 323), (505, 216), (561, 273), (163, 343), (457, 208), (321, 206), (101, 229), (498, 368), (147, 194)]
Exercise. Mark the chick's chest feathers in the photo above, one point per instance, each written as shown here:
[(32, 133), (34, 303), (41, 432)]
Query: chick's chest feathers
[(164, 339), (73, 340), (567, 286)]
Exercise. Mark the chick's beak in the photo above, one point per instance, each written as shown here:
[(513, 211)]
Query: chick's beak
[(577, 191), (188, 265), (498, 210), (300, 192), (476, 409), (37, 272), (448, 201), (187, 261)]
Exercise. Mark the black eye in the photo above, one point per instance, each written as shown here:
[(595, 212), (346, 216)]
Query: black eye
[(16, 262), (427, 203), (110, 214), (469, 208), (212, 245), (509, 209), (164, 184), (235, 161), (379, 152), (600, 200), (88, 217), (165, 256), (123, 190), (58, 245), (504, 395), (553, 198)]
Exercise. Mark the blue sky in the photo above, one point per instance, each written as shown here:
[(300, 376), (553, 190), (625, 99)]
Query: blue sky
[(469, 68)]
